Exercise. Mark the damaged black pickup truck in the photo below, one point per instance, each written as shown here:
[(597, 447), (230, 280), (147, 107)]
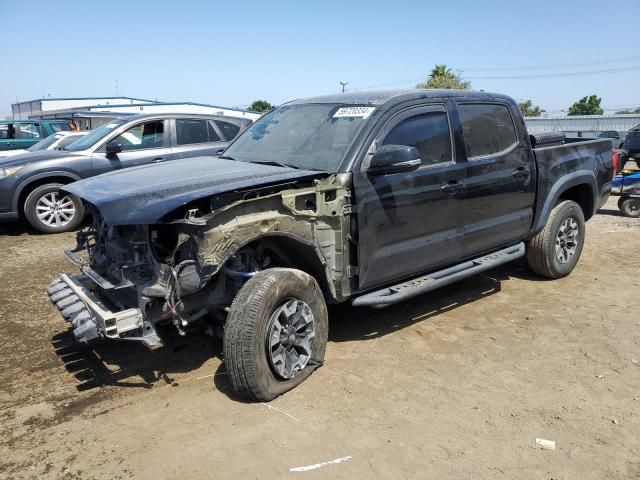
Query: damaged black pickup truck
[(370, 198)]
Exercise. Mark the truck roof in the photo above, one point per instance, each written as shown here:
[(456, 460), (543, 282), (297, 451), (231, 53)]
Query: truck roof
[(381, 97)]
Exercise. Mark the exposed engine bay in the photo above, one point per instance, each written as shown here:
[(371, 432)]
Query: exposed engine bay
[(187, 269)]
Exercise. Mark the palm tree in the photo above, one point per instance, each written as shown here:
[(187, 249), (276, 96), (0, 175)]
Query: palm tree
[(441, 71)]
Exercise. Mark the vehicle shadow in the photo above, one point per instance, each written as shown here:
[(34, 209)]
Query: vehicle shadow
[(131, 364), (608, 211), (350, 323), (16, 228)]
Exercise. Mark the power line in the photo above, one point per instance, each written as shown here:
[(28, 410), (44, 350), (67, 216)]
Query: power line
[(512, 77), (384, 85), (555, 75), (544, 67)]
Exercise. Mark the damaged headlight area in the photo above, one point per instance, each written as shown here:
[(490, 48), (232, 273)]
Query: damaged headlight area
[(135, 279)]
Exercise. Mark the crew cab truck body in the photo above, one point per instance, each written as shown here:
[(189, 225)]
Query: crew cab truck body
[(370, 198)]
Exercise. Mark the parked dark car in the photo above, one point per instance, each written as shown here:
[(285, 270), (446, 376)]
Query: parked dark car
[(632, 145), (371, 198), (21, 134), (30, 182), (617, 137)]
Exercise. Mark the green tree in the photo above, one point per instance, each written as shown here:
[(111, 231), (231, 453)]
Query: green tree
[(260, 106), (528, 110), (442, 77), (587, 106)]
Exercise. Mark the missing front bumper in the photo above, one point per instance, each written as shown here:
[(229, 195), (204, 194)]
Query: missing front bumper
[(91, 319)]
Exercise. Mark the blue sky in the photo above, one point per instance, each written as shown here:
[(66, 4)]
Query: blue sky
[(231, 53)]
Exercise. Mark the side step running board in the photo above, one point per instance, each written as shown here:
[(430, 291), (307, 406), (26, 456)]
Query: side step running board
[(426, 283)]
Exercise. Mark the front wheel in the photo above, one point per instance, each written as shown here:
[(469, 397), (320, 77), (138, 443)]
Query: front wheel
[(275, 334), (554, 252), (630, 207), (49, 210)]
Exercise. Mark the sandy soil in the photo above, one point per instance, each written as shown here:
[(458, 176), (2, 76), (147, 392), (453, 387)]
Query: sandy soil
[(456, 384)]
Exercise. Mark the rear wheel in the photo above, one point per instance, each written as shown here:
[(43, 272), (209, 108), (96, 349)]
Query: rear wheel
[(49, 210), (554, 252), (630, 207), (275, 334)]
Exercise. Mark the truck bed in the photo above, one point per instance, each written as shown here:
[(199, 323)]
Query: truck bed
[(574, 161)]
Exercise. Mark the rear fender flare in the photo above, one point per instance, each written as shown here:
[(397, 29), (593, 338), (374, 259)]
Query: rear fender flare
[(573, 179)]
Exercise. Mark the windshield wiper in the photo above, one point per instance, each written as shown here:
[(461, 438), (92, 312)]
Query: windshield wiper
[(278, 164), (270, 162)]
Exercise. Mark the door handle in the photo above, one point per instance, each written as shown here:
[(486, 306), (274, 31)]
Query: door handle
[(452, 187), (521, 172), (158, 160)]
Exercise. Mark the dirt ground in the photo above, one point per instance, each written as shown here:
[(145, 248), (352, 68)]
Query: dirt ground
[(457, 384)]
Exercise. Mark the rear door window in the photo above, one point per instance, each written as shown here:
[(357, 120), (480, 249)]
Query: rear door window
[(488, 129), (195, 130), (428, 132), (229, 130), (4, 131)]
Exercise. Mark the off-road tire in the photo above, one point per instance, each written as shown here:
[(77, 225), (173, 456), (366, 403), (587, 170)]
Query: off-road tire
[(31, 214), (541, 249), (630, 207), (245, 333)]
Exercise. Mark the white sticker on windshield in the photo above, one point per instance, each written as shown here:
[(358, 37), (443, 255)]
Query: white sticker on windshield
[(111, 125), (346, 112)]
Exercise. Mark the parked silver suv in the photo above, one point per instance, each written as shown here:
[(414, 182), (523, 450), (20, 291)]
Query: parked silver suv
[(29, 183)]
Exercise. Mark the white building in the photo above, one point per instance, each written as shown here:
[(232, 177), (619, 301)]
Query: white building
[(587, 125), (34, 109), (89, 113)]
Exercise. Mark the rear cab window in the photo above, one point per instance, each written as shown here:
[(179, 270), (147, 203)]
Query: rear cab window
[(488, 129)]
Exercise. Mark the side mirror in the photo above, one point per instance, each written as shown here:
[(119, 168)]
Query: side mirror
[(113, 147), (394, 159)]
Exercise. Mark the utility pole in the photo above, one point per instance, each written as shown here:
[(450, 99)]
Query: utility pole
[(344, 84), (116, 87)]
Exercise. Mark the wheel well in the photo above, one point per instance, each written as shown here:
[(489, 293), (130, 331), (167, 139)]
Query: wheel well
[(583, 196), (297, 255), (24, 193)]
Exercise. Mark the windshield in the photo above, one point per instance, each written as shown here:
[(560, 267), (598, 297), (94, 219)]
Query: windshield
[(310, 136), (44, 143), (95, 136)]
